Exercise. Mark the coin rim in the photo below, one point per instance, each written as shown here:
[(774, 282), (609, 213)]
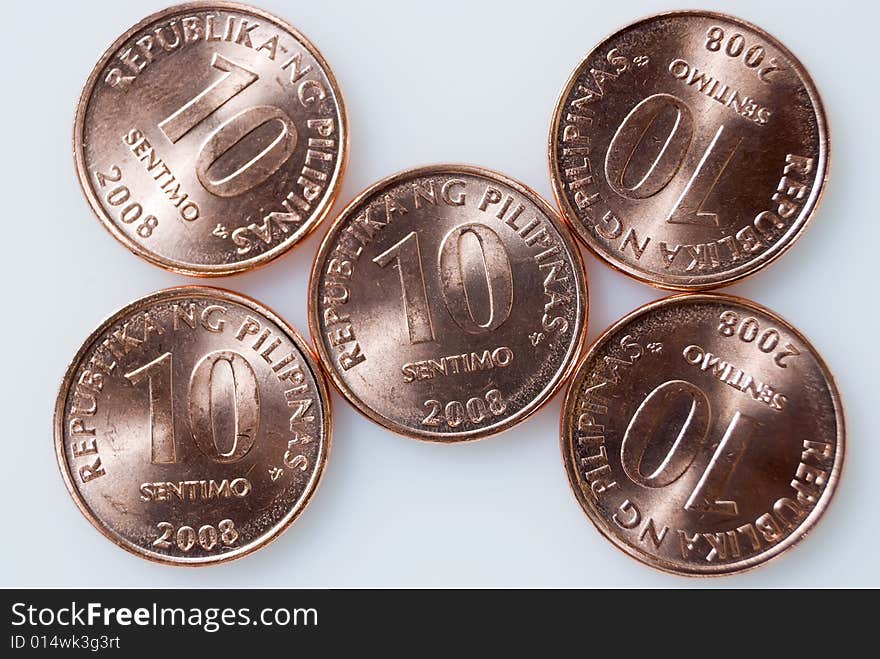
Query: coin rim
[(220, 269), (729, 569), (167, 294), (552, 387), (726, 277)]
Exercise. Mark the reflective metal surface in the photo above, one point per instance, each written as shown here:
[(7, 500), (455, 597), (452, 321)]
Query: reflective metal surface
[(448, 303), (210, 138), (689, 150), (703, 434), (193, 426)]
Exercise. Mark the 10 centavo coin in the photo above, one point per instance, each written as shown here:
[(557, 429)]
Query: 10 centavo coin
[(192, 426), (703, 434), (448, 302), (689, 150), (210, 138)]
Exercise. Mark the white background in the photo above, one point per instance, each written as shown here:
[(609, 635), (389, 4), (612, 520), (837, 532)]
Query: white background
[(463, 81)]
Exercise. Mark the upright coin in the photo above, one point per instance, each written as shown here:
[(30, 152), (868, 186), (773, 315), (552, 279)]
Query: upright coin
[(448, 303), (703, 434), (192, 427), (210, 138), (689, 150)]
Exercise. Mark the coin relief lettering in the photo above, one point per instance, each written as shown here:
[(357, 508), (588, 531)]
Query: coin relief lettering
[(442, 284), (207, 536), (196, 490), (748, 330), (665, 169), (240, 159), (129, 211), (699, 454), (449, 365), (453, 414), (190, 406), (742, 105), (753, 55)]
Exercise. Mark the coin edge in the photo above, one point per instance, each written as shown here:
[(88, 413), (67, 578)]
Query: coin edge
[(731, 569), (166, 294), (817, 195), (219, 270), (326, 361)]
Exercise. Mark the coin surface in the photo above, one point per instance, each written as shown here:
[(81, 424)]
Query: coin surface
[(210, 138), (448, 302), (703, 434), (689, 150), (193, 426)]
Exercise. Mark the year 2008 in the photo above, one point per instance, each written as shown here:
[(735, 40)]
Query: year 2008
[(186, 537), (455, 413)]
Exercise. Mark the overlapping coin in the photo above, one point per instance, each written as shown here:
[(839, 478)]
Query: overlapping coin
[(703, 434), (689, 149), (192, 426), (448, 302), (210, 138)]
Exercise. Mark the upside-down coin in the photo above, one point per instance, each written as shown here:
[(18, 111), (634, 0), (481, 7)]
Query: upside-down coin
[(703, 434), (210, 138), (448, 302), (192, 426), (689, 150)]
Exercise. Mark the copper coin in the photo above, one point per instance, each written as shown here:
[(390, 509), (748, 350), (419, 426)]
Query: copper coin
[(703, 434), (210, 138), (448, 302), (193, 426), (689, 150)]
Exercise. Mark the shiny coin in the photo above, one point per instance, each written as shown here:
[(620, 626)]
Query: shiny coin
[(448, 302), (689, 150), (210, 138), (192, 426), (703, 435)]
